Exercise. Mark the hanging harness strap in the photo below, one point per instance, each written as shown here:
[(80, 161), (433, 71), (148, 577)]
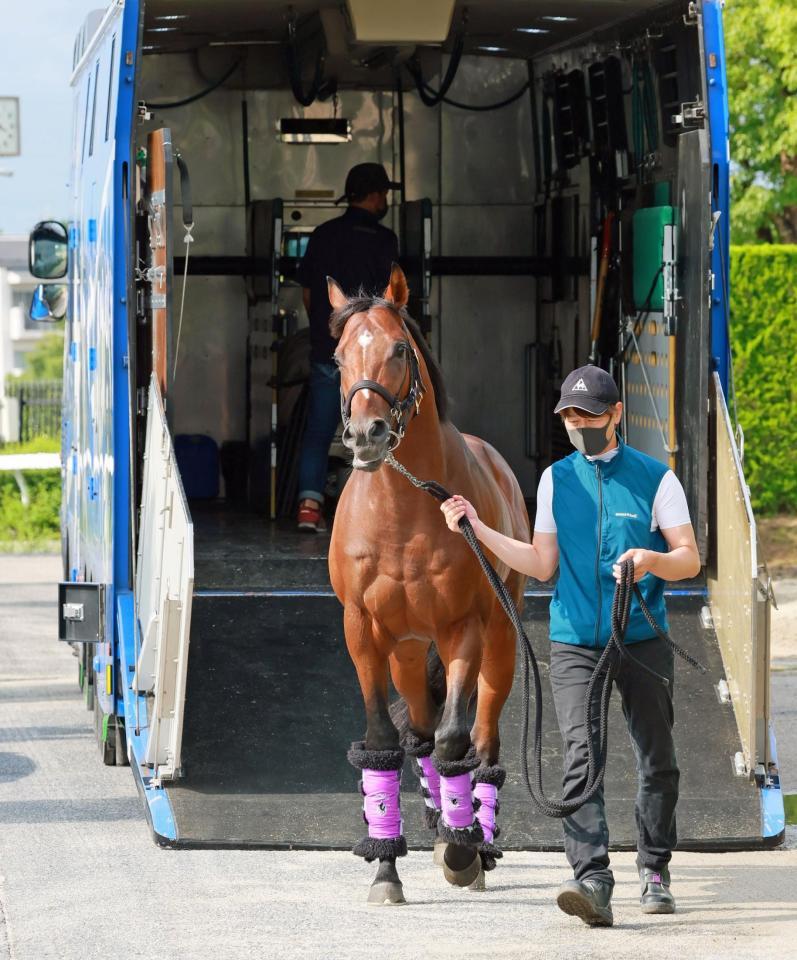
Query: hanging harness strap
[(188, 224), (614, 652)]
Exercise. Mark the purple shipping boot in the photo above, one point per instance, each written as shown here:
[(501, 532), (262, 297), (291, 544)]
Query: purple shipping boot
[(458, 825), (380, 787), (487, 781)]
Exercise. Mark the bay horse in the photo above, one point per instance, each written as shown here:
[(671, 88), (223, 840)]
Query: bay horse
[(416, 603)]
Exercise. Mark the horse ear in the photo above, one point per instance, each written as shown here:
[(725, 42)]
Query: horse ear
[(337, 297), (397, 291)]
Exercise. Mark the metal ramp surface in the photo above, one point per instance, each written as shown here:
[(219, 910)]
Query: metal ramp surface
[(273, 703)]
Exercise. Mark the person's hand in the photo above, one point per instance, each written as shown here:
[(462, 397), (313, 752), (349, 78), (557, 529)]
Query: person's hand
[(455, 509), (643, 561)]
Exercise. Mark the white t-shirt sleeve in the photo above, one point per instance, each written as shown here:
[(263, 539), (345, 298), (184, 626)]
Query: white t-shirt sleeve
[(670, 508), (544, 521)]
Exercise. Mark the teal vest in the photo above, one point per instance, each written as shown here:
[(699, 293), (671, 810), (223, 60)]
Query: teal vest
[(601, 510)]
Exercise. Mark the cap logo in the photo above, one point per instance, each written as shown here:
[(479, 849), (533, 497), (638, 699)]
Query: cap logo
[(581, 386)]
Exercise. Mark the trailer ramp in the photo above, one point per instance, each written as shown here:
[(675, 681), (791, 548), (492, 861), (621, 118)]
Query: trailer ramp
[(273, 702)]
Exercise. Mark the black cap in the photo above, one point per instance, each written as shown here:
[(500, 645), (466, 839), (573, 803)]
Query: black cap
[(366, 178), (588, 388)]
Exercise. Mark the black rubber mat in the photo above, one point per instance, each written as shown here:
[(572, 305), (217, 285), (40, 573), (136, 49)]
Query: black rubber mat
[(273, 704)]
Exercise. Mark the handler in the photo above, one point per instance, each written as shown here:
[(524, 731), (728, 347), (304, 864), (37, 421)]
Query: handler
[(358, 252), (603, 504)]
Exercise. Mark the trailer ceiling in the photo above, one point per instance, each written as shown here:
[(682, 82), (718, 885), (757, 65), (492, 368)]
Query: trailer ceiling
[(509, 27)]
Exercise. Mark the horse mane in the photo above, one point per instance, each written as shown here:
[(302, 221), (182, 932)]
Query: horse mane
[(362, 302)]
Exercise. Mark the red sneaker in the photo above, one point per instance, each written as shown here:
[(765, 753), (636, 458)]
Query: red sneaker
[(310, 517)]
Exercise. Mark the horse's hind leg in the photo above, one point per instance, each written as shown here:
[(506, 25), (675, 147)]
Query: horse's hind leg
[(454, 757), (379, 758), (418, 676), (495, 683)]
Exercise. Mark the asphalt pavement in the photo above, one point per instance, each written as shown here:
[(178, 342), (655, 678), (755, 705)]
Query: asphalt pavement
[(80, 877)]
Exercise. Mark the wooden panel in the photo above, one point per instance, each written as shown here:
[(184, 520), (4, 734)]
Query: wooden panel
[(159, 160), (733, 586)]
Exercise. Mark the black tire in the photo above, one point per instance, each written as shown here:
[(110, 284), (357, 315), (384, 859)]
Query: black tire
[(120, 742)]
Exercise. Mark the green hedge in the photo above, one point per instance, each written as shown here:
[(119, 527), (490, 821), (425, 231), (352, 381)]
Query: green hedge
[(764, 343), (38, 525)]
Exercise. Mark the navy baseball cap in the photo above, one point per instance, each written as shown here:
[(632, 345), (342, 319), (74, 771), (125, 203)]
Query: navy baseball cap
[(589, 388), (365, 178)]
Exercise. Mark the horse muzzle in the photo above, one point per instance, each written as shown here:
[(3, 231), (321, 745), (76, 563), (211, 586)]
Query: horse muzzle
[(369, 441)]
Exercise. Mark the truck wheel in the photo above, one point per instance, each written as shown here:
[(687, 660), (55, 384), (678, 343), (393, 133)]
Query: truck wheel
[(120, 742)]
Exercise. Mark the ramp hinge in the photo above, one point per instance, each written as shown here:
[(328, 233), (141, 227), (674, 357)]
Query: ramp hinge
[(739, 764), (690, 17), (706, 619), (723, 691)]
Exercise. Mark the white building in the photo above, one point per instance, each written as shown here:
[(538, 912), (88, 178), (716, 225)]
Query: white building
[(18, 333)]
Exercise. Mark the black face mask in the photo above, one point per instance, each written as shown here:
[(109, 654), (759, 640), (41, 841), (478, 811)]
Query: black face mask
[(591, 441)]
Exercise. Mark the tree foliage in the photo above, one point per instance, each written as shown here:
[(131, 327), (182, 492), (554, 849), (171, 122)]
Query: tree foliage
[(761, 37), (764, 341), (46, 360)]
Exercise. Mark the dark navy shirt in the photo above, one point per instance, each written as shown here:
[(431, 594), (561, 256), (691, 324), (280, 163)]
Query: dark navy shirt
[(356, 251)]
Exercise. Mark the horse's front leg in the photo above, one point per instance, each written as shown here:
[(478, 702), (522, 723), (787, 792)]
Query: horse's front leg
[(460, 649), (379, 758)]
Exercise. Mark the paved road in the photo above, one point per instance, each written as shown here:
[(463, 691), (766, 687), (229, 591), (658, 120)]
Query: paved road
[(81, 879)]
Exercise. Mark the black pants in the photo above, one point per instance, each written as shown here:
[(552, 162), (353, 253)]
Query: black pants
[(648, 710)]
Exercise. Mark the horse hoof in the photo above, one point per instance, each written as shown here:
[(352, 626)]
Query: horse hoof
[(386, 893), (478, 885), (467, 875), (439, 850)]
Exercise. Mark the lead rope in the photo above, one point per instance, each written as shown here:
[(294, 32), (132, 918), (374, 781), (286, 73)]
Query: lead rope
[(621, 606)]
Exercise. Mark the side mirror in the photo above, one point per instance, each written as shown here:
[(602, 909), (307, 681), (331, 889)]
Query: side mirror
[(48, 255), (49, 302)]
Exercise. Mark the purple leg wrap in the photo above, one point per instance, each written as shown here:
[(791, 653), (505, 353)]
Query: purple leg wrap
[(430, 781), (487, 794), (382, 803), (487, 781), (457, 822), (456, 796), (380, 786)]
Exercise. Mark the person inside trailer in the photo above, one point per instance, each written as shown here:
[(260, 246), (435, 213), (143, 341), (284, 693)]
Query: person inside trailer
[(602, 505), (358, 251)]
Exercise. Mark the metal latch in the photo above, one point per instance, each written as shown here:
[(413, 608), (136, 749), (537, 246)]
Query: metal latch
[(692, 113), (73, 611)]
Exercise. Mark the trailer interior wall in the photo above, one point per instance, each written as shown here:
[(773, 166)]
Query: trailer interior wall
[(504, 342)]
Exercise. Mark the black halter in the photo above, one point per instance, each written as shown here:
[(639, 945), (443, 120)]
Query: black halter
[(400, 410)]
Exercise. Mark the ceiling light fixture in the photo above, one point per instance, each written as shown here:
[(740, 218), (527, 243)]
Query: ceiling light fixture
[(533, 30), (173, 16), (493, 49), (161, 29), (560, 19)]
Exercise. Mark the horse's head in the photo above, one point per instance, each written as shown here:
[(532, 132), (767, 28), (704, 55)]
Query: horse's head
[(379, 369)]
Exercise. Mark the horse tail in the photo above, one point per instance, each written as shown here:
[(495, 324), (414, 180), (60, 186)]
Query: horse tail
[(436, 678)]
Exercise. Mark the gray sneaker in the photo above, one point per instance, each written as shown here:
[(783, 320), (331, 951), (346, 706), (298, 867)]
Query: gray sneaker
[(589, 900), (655, 887)]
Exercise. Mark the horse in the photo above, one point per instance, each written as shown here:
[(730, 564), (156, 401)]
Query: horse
[(415, 602)]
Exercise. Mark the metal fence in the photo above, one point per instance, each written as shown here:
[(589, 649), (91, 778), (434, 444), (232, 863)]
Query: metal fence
[(39, 407)]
